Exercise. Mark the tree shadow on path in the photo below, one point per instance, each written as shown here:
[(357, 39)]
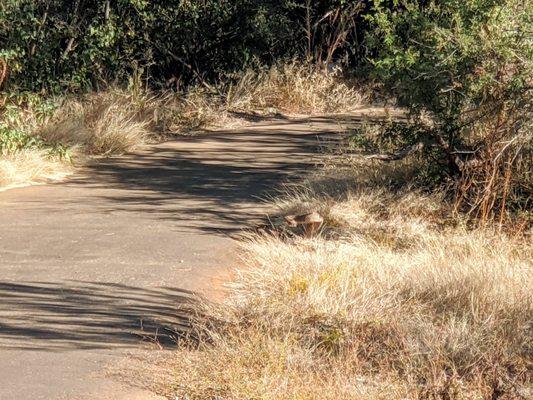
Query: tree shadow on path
[(90, 315), (213, 183)]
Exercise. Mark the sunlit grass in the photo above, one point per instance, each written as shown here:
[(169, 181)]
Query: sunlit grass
[(391, 301)]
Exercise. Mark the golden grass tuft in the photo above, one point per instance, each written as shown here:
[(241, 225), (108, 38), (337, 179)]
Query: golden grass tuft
[(116, 121), (29, 167), (390, 301), (290, 88), (111, 122), (293, 88)]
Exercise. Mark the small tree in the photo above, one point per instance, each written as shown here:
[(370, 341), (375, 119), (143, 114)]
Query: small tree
[(468, 64)]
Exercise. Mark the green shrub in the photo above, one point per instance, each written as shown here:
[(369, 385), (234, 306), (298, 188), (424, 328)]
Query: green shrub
[(80, 44), (12, 140), (464, 69), (21, 116)]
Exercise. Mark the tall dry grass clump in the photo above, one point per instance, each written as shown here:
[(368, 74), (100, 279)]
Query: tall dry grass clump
[(289, 88), (40, 137), (116, 121), (103, 123), (390, 301), (24, 157), (31, 166), (293, 88)]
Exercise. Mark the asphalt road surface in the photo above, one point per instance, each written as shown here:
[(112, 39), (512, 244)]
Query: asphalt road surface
[(97, 266)]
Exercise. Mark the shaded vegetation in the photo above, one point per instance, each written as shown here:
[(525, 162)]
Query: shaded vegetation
[(463, 69), (55, 44)]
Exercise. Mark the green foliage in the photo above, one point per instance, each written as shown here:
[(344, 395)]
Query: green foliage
[(25, 110), (444, 55), (55, 44), (80, 44), (466, 66), (13, 140)]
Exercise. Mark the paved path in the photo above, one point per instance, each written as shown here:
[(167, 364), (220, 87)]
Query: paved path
[(91, 266)]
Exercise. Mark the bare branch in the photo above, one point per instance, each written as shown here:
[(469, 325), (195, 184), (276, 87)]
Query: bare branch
[(399, 155)]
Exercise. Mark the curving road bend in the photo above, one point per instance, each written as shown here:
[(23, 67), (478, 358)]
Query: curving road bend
[(94, 267)]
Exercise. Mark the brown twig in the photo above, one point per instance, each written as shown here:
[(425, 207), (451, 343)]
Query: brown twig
[(397, 156)]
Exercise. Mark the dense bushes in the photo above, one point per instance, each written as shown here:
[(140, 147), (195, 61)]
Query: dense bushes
[(465, 66), (83, 43), (56, 44)]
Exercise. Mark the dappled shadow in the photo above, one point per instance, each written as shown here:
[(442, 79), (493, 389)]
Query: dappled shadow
[(210, 183), (205, 184), (90, 315)]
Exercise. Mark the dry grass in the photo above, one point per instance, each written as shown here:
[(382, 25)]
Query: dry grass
[(391, 301), (30, 167), (99, 124), (293, 88), (290, 88), (116, 121), (104, 123)]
